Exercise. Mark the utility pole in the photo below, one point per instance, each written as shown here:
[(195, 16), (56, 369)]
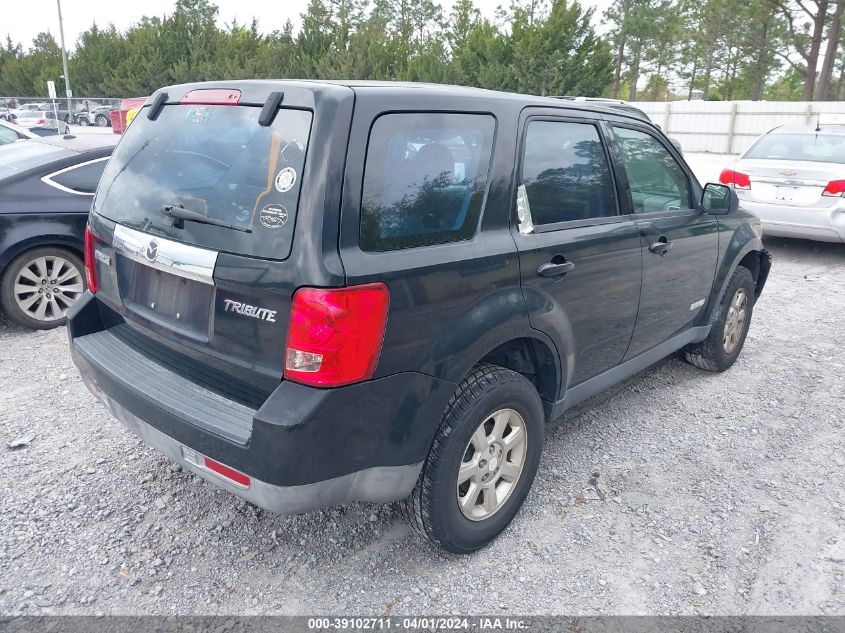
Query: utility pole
[(64, 61)]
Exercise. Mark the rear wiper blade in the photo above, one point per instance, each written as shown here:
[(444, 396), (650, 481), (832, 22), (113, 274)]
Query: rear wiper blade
[(177, 214)]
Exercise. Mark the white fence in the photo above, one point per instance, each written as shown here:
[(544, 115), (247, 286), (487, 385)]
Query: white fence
[(729, 127)]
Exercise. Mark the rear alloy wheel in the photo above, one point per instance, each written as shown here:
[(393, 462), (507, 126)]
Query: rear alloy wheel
[(493, 462), (40, 285), (482, 462)]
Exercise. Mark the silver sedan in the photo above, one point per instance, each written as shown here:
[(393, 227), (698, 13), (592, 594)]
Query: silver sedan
[(793, 179)]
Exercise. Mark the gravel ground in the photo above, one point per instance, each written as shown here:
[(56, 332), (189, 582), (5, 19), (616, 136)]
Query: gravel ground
[(723, 495)]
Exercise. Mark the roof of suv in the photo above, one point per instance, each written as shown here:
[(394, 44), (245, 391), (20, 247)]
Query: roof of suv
[(398, 88)]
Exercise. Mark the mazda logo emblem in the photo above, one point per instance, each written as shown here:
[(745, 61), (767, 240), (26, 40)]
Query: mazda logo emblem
[(152, 250)]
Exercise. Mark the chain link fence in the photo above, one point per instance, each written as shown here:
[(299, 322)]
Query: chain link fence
[(75, 111)]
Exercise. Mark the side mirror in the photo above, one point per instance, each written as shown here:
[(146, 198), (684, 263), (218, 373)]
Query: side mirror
[(719, 199)]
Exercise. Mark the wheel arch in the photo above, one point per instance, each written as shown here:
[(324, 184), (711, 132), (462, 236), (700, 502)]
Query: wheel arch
[(58, 241), (530, 357), (753, 257)]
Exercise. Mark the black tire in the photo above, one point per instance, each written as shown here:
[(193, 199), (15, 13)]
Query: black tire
[(102, 121), (7, 283), (432, 509), (710, 354)]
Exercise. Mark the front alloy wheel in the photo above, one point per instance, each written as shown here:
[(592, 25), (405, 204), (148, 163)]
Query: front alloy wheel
[(735, 321)]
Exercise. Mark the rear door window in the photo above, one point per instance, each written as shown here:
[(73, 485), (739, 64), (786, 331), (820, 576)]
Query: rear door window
[(565, 173), (424, 179), (215, 160)]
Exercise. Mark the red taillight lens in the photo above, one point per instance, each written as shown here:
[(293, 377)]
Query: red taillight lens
[(735, 178), (335, 334), (90, 271), (211, 96), (41, 121), (835, 188), (225, 471)]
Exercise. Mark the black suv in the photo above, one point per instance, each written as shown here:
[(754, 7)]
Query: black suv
[(311, 293)]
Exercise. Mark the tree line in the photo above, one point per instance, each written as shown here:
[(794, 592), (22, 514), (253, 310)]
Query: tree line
[(642, 50)]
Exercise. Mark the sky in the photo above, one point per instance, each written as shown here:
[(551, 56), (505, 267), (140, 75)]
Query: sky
[(24, 24)]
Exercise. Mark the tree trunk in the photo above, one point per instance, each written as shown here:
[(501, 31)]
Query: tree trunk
[(617, 72), (834, 34), (819, 20), (761, 67), (635, 72), (840, 86), (708, 71), (692, 79)]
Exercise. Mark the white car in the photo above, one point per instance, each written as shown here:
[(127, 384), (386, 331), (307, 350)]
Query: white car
[(42, 122), (793, 179), (9, 133)]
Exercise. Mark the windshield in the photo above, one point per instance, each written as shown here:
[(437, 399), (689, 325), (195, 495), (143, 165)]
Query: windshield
[(18, 157), (822, 148), (216, 161)]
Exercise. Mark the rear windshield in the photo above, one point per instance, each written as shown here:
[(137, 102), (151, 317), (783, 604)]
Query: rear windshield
[(18, 157), (822, 148), (214, 160)]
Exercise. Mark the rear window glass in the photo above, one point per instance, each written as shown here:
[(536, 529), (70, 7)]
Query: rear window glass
[(83, 178), (824, 148), (217, 161), (18, 157), (424, 179)]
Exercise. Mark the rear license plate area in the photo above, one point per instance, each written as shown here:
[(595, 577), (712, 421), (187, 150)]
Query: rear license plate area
[(168, 300), (784, 194)]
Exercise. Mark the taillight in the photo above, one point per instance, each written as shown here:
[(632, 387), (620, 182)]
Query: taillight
[(211, 96), (335, 334), (41, 121), (735, 178), (835, 188), (90, 271)]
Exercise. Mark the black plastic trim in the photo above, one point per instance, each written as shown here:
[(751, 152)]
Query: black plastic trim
[(270, 107), (156, 106), (172, 393)]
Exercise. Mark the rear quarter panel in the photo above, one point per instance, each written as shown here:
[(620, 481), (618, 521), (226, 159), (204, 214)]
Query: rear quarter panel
[(450, 303)]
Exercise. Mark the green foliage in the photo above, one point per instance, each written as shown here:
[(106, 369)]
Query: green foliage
[(533, 47)]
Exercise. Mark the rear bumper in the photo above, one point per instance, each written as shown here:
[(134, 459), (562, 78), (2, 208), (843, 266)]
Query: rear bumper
[(303, 449), (379, 484), (823, 224)]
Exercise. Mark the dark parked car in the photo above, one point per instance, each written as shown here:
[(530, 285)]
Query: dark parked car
[(46, 188), (312, 293)]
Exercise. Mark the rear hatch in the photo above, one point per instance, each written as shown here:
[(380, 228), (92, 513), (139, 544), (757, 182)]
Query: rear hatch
[(194, 221)]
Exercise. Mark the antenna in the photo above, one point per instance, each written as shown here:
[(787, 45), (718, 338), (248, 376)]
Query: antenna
[(818, 121)]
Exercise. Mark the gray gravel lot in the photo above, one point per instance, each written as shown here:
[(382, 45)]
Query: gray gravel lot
[(724, 495)]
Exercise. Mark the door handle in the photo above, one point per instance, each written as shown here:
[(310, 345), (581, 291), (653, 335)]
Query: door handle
[(555, 268), (661, 246)]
